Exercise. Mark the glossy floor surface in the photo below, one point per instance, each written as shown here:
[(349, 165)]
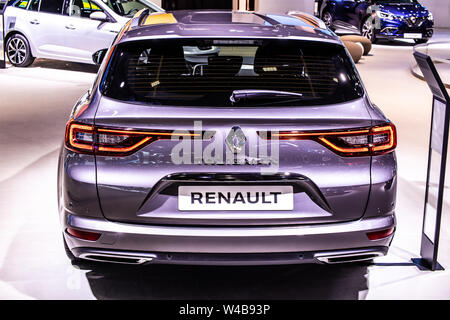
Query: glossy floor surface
[(34, 105)]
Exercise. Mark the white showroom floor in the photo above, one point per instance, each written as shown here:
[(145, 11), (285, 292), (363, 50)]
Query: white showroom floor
[(34, 105)]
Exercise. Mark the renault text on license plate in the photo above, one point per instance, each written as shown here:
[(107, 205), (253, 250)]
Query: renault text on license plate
[(201, 198)]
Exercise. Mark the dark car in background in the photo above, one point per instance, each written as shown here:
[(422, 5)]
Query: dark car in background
[(375, 19)]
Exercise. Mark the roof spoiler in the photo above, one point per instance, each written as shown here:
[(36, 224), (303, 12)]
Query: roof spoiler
[(309, 19), (138, 17)]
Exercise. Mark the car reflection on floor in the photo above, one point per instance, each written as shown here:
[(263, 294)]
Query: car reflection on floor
[(344, 281)]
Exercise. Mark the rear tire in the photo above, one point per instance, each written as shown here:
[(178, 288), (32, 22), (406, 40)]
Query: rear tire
[(420, 41), (366, 263), (18, 51)]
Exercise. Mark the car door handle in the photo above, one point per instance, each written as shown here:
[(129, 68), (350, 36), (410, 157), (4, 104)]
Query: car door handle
[(70, 27), (35, 21)]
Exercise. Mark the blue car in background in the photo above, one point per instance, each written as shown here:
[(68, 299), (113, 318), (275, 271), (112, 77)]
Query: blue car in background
[(375, 19)]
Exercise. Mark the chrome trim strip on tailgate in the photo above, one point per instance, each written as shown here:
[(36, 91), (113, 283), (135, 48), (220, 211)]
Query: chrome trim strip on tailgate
[(301, 230)]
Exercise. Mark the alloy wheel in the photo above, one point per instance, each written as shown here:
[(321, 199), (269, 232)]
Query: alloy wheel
[(367, 29), (17, 50), (328, 19)]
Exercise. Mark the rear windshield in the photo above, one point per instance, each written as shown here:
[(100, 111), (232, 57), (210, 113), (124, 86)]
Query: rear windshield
[(206, 72)]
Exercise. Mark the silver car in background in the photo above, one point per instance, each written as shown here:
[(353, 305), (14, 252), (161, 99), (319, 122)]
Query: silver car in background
[(217, 137), (70, 30)]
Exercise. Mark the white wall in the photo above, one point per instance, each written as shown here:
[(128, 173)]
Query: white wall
[(282, 6), (440, 10), (157, 2)]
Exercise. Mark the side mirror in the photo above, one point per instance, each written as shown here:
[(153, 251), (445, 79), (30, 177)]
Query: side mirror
[(98, 56), (98, 15)]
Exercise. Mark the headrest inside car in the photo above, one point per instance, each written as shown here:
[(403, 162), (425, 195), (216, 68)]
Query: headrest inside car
[(271, 60), (223, 66), (167, 60)]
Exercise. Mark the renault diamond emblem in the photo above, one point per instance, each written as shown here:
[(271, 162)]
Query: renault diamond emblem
[(413, 20), (236, 140)]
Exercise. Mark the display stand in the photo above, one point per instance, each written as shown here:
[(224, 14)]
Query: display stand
[(2, 36), (437, 158)]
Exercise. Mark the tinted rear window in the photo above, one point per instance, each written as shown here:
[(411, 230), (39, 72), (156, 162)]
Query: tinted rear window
[(207, 71), (51, 6), (16, 3)]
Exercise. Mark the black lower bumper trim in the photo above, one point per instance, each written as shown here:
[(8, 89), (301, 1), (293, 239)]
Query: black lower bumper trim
[(278, 258)]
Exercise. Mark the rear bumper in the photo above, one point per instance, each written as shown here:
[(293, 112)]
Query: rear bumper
[(135, 257), (130, 243)]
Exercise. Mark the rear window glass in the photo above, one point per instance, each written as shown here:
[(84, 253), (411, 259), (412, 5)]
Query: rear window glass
[(207, 72), (82, 8), (18, 4), (34, 5), (128, 8), (51, 6)]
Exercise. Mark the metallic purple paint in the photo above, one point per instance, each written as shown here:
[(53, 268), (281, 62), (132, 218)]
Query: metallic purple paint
[(118, 197)]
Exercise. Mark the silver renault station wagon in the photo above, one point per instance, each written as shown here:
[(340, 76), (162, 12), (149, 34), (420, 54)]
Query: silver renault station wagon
[(226, 138)]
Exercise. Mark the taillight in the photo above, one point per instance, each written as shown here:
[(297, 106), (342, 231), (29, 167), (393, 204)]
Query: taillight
[(85, 235), (384, 139), (111, 142), (381, 234), (80, 137), (353, 142)]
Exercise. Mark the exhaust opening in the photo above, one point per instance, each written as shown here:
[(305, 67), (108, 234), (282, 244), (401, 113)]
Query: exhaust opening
[(351, 259), (344, 257), (113, 258)]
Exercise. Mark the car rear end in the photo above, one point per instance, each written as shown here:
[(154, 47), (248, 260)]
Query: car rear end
[(161, 165)]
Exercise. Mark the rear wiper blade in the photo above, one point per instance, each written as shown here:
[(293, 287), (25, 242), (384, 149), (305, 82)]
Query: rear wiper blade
[(243, 95)]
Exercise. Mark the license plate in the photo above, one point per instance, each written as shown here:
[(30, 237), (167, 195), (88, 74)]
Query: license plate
[(412, 35), (235, 198)]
